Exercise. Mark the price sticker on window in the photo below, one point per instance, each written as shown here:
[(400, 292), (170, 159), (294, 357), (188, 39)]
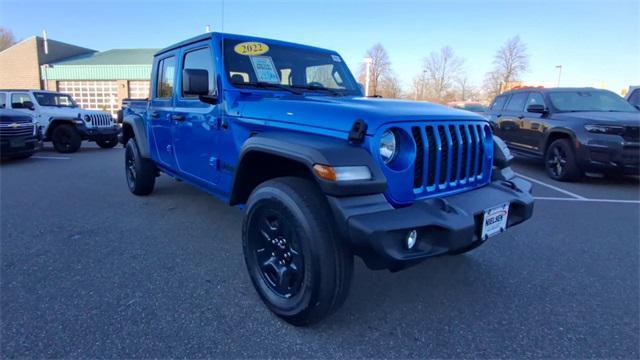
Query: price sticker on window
[(265, 69), (251, 48)]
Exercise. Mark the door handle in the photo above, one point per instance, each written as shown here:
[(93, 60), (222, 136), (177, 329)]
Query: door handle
[(154, 114), (177, 117), (224, 124), (499, 115), (520, 117)]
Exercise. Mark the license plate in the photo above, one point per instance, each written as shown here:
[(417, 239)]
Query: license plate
[(494, 221), (18, 142)]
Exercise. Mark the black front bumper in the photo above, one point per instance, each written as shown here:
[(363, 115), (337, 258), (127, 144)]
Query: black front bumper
[(377, 231), (609, 154), (99, 133), (17, 146)]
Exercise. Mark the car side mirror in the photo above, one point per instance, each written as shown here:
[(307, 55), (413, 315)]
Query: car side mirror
[(28, 105), (195, 82), (536, 108)]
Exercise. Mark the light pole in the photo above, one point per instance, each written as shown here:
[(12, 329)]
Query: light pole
[(559, 67), (367, 62)]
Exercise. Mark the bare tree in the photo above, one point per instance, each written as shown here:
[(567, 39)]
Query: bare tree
[(390, 86), (510, 62), (464, 89), (440, 70), (379, 70), (6, 38)]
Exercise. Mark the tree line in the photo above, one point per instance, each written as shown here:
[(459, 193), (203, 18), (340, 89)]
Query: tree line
[(443, 77)]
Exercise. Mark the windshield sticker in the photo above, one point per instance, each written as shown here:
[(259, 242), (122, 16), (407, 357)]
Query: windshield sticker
[(251, 48), (336, 58), (265, 69)]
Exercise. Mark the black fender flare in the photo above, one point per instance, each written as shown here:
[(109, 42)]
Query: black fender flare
[(55, 120), (556, 130), (308, 150), (136, 124)]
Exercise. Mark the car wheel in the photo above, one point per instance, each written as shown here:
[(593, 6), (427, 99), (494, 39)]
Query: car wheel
[(560, 161), (299, 267), (66, 139), (140, 172), (107, 143)]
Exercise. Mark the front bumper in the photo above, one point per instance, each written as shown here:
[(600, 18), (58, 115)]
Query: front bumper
[(377, 231), (16, 146), (609, 154), (99, 133)]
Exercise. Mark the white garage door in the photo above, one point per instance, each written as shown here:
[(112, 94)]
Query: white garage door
[(93, 95)]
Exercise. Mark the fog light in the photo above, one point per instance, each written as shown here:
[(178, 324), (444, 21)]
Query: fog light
[(412, 238)]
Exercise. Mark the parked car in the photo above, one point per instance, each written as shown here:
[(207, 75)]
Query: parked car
[(633, 96), (322, 172), (19, 137), (575, 130), (61, 120)]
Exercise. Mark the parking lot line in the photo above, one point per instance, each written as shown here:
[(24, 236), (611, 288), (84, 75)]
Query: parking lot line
[(51, 157), (587, 200), (576, 196)]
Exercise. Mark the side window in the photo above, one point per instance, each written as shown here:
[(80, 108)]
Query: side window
[(3, 100), (498, 103), (166, 75), (534, 99), (517, 101), (200, 59), (634, 99), (18, 100)]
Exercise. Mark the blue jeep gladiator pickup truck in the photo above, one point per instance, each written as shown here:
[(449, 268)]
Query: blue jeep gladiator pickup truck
[(322, 172)]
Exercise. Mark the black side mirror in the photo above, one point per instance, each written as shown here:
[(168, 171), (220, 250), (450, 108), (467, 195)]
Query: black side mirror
[(536, 108), (195, 82)]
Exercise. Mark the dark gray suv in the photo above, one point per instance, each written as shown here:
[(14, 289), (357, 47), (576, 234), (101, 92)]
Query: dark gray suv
[(575, 130)]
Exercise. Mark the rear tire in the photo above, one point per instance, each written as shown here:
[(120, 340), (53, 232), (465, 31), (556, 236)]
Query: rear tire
[(140, 172), (66, 139), (107, 143), (299, 267), (560, 161)]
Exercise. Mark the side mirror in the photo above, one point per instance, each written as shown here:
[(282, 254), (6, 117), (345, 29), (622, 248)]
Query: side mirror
[(195, 82), (28, 105), (536, 108)]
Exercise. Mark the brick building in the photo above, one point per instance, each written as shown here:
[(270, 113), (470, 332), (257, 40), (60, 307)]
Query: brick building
[(96, 80)]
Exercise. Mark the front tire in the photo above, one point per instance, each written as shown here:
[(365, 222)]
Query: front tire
[(107, 143), (66, 139), (299, 267), (140, 172), (560, 161)]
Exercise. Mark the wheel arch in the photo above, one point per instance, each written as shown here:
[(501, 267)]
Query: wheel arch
[(555, 134), (133, 127), (57, 121)]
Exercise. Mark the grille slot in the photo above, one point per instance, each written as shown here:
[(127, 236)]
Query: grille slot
[(431, 153), (444, 154), (419, 167), (100, 119)]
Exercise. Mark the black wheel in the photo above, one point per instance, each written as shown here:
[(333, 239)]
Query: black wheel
[(66, 139), (298, 266), (560, 161), (140, 172), (107, 143)]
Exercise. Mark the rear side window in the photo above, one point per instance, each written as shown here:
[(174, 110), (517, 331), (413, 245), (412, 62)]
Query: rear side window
[(517, 101), (498, 103), (634, 99), (166, 75), (200, 59), (3, 101), (18, 100)]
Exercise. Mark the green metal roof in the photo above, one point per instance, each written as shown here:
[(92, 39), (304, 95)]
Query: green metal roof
[(116, 64)]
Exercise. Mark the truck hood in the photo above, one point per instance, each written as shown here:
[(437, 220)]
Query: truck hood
[(339, 113), (619, 118), (52, 111)]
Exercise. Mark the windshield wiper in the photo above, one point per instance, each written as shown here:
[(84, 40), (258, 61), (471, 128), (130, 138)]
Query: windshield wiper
[(266, 85), (317, 88)]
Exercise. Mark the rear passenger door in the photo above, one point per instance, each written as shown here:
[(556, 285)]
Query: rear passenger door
[(196, 125), (495, 113), (161, 108), (512, 120)]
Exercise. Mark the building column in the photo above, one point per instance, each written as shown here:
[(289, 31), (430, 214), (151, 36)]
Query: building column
[(52, 85), (123, 91)]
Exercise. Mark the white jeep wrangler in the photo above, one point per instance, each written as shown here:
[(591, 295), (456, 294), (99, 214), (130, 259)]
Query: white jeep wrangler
[(60, 119)]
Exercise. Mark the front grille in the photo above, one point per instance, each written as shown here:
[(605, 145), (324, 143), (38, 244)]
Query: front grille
[(20, 129), (450, 156), (101, 119)]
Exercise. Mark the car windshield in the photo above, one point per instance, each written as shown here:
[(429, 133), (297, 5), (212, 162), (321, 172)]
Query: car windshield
[(53, 99), (589, 100), (272, 66)]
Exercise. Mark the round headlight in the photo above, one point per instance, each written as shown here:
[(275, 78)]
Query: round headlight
[(87, 118), (388, 146)]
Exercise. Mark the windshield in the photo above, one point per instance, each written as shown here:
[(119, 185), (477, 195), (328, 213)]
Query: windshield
[(475, 107), (266, 65), (53, 99), (589, 100)]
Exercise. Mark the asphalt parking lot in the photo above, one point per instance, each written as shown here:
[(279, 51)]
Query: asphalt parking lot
[(89, 270)]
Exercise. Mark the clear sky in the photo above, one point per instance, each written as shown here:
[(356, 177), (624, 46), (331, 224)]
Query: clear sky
[(596, 42)]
